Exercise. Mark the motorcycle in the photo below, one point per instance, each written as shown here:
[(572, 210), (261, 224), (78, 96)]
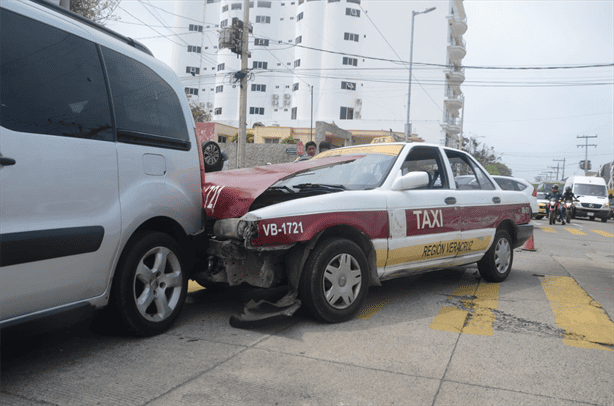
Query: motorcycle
[(569, 207), (553, 211)]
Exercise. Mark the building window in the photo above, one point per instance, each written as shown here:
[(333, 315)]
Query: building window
[(264, 4), (350, 61), (300, 2), (295, 87), (260, 41), (221, 139), (353, 1), (299, 39), (191, 90), (225, 8), (192, 48), (218, 111), (293, 114), (197, 28), (192, 69), (347, 113), (263, 19), (271, 140), (297, 63), (259, 65), (219, 89), (224, 23), (258, 88), (299, 17), (352, 12), (221, 66), (348, 36), (256, 110), (334, 1), (348, 85), (235, 6)]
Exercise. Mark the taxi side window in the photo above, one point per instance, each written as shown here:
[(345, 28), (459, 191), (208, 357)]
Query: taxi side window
[(467, 175), (429, 160)]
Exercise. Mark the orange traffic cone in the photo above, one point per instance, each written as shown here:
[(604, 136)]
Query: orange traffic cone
[(529, 245)]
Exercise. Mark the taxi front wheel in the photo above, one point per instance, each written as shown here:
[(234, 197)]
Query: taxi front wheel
[(334, 282), (496, 264)]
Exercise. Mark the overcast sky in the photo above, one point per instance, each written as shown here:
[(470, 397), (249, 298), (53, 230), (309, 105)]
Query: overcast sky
[(531, 117)]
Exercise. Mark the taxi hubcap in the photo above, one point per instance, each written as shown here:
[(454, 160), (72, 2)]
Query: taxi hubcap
[(503, 254), (342, 281)]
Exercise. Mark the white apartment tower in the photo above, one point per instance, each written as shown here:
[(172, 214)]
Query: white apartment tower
[(313, 50)]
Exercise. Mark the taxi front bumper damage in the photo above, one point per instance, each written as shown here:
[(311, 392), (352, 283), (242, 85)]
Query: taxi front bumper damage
[(232, 261)]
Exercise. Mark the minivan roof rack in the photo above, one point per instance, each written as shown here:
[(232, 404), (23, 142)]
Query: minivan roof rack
[(99, 27)]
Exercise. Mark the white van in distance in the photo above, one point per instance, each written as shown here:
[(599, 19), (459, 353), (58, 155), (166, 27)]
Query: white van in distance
[(592, 194)]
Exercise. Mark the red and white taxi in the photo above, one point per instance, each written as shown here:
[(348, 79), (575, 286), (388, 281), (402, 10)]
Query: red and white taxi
[(352, 217)]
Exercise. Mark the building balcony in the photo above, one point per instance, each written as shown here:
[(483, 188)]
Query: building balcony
[(457, 26), (451, 126), (460, 8), (455, 76), (453, 104), (457, 52)]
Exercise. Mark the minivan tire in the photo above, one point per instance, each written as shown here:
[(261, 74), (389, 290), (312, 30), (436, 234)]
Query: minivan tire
[(150, 284)]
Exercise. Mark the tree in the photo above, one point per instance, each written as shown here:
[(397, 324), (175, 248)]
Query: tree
[(99, 11), (486, 156), (200, 114), (249, 136), (288, 140)]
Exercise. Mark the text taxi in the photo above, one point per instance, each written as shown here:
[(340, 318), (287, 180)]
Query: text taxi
[(352, 217)]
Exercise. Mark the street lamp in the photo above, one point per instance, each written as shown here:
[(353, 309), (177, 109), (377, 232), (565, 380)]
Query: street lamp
[(411, 56)]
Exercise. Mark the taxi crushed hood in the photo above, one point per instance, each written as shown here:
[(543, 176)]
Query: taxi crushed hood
[(230, 194)]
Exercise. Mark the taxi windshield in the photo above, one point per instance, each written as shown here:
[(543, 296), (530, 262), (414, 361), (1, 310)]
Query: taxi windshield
[(367, 171)]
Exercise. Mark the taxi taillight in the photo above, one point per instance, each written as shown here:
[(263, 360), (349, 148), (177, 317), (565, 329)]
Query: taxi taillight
[(534, 192)]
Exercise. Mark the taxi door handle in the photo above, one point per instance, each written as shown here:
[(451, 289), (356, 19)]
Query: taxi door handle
[(450, 200), (496, 199)]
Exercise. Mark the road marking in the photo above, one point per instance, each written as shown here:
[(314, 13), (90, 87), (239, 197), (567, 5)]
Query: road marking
[(473, 314), (548, 229), (375, 302), (575, 231), (604, 233), (585, 323), (193, 287)]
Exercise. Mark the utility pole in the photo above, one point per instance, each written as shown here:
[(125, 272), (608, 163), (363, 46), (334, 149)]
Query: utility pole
[(557, 171), (586, 145), (243, 97), (563, 175)]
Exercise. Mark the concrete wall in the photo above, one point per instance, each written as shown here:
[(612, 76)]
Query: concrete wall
[(259, 154)]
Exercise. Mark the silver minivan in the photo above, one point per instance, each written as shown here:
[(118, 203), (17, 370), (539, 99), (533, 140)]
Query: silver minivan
[(100, 172)]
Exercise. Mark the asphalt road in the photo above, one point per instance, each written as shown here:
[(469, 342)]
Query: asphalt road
[(542, 337)]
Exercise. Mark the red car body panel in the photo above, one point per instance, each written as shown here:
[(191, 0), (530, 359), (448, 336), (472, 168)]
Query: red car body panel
[(230, 194)]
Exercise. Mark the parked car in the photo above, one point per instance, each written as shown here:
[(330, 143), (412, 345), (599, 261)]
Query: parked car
[(520, 185), (350, 218), (100, 173)]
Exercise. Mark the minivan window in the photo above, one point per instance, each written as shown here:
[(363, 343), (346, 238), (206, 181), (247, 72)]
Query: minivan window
[(51, 82), (585, 189), (144, 103)]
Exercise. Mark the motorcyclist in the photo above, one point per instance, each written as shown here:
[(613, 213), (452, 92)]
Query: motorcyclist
[(555, 194), (568, 195)]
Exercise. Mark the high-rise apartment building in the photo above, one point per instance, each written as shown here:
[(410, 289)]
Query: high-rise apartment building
[(328, 60)]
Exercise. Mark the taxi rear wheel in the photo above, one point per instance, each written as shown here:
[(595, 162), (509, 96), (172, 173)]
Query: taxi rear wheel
[(334, 282), (496, 264)]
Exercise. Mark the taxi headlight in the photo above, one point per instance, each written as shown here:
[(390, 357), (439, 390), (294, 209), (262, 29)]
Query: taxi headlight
[(229, 228)]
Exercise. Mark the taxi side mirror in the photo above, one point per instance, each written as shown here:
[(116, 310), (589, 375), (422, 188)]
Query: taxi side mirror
[(412, 180)]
